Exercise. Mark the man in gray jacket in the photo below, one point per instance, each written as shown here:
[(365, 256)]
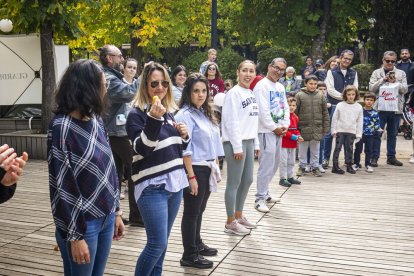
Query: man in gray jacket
[(388, 75), (119, 95)]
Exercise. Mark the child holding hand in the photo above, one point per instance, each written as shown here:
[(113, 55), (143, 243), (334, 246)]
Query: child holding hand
[(288, 151)]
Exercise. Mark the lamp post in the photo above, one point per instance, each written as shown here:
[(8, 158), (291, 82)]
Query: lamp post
[(214, 24), (6, 25)]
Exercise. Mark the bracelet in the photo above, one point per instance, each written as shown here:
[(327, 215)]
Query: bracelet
[(192, 177)]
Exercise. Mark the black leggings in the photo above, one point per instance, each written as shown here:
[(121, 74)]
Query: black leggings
[(194, 207), (347, 140)]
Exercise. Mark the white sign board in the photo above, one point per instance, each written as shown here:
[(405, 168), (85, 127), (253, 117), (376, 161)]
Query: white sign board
[(21, 68)]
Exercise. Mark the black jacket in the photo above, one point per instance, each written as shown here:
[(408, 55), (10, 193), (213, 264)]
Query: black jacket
[(6, 192)]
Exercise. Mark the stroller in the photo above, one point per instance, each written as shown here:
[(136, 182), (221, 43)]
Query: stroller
[(407, 125)]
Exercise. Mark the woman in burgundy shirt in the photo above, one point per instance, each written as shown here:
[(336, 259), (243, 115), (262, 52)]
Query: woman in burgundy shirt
[(215, 81)]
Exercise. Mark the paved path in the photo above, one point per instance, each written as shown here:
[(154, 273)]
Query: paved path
[(359, 224)]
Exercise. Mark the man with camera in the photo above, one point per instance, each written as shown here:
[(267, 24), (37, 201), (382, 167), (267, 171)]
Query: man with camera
[(389, 85), (407, 66)]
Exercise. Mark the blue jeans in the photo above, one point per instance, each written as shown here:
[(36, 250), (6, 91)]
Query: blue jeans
[(328, 137), (98, 236), (393, 121), (366, 143), (158, 208)]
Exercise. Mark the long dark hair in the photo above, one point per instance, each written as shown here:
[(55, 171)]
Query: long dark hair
[(217, 75), (81, 88), (176, 71), (188, 89)]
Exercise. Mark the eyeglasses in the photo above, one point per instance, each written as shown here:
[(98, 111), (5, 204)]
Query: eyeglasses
[(389, 60), (212, 68), (346, 58), (119, 55), (107, 83), (164, 83), (278, 68)]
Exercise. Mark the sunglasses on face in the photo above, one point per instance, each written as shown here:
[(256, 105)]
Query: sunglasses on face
[(389, 60), (212, 68), (164, 83)]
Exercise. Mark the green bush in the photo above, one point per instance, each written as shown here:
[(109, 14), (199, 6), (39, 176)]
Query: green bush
[(227, 60), (293, 57), (364, 74), (193, 61)]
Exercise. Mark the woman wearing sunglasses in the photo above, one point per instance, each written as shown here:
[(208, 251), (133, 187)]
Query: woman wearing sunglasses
[(215, 81), (157, 168), (200, 160)]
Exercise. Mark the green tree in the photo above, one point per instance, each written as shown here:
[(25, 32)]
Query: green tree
[(47, 17)]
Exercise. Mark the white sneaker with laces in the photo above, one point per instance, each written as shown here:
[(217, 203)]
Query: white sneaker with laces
[(260, 206), (273, 199), (412, 159), (236, 229), (307, 169), (321, 169), (248, 225), (355, 167), (369, 169)]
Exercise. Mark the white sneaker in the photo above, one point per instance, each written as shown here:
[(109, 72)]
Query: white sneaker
[(236, 229), (307, 169), (321, 169), (122, 195), (260, 206), (273, 199), (355, 167), (369, 169), (412, 159), (248, 225)]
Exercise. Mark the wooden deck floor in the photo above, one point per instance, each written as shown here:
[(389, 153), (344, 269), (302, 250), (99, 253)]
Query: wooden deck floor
[(359, 224)]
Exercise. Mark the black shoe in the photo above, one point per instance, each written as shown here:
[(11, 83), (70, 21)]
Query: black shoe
[(393, 161), (293, 181), (350, 170), (198, 262), (136, 224), (374, 162), (325, 164), (206, 251), (125, 221), (337, 169)]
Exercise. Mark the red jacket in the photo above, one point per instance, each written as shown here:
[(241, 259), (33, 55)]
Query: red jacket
[(287, 141)]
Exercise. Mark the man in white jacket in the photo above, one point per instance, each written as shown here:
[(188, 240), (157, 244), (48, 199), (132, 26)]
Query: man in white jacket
[(273, 124)]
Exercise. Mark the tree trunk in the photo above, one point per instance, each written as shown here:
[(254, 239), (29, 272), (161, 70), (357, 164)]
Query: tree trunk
[(317, 44), (48, 73), (137, 53)]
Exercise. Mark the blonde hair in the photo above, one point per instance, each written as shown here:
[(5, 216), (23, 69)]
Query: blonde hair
[(142, 98)]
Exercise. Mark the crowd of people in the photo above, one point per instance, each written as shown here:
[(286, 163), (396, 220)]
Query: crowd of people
[(165, 136)]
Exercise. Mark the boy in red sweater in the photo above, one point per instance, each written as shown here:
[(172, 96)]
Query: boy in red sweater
[(289, 145)]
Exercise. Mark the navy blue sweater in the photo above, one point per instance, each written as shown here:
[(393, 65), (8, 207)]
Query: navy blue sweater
[(157, 145)]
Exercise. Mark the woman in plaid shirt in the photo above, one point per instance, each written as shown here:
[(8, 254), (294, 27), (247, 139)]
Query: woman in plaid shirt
[(84, 189)]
